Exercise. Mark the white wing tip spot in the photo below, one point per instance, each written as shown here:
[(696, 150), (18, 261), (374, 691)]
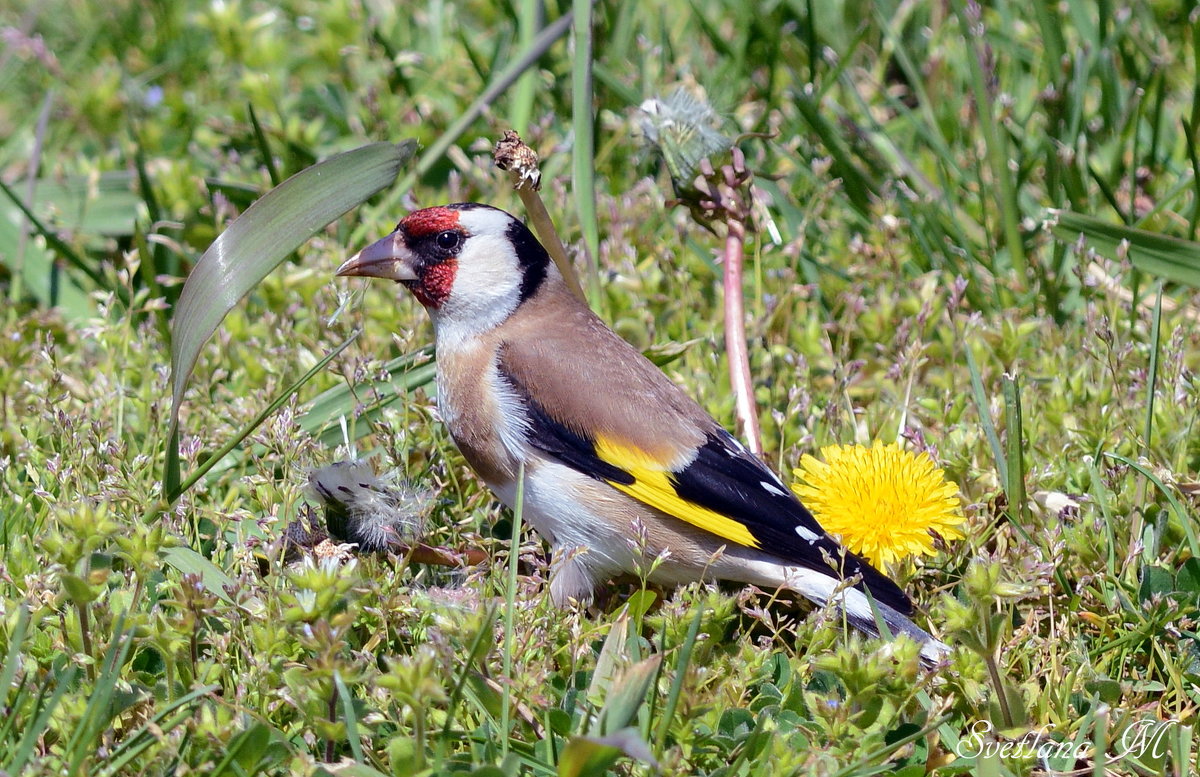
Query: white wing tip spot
[(807, 534), (771, 488)]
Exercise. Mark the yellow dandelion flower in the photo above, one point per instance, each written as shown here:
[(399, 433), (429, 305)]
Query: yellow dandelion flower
[(883, 501)]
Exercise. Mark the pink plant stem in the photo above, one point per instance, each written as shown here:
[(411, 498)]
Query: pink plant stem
[(735, 338)]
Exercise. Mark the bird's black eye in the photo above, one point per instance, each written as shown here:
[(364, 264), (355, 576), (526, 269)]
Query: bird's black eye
[(448, 240)]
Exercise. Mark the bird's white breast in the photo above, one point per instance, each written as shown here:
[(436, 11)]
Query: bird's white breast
[(575, 514)]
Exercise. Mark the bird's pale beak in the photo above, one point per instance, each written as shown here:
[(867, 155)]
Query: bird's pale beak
[(388, 258)]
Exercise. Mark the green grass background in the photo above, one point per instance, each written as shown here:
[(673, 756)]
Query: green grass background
[(906, 279)]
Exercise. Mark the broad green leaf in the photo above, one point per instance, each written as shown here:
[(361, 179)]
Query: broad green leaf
[(1187, 579), (592, 756), (262, 237), (585, 757), (1167, 257), (104, 205), (254, 244), (188, 561), (23, 215), (1154, 581), (36, 266), (613, 654), (244, 751), (626, 695)]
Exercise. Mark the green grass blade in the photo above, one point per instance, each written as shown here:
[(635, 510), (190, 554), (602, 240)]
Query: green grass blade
[(264, 148), (523, 96), (1053, 45), (510, 611), (349, 715), (156, 259), (1152, 378), (37, 729), (681, 666), (149, 733), (172, 480), (1014, 453), (85, 740), (255, 422), (1189, 132), (995, 141), (880, 755), (373, 412), (858, 185), (475, 652), (341, 400), (985, 416), (189, 562), (262, 237), (1180, 512), (12, 659), (583, 149), (500, 83), (1163, 256)]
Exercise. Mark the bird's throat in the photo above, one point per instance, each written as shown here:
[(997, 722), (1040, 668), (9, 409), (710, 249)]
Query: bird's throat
[(433, 286)]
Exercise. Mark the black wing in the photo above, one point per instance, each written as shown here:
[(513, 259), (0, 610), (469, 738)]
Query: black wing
[(726, 478)]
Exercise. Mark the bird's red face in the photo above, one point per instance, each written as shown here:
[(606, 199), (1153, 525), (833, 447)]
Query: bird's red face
[(422, 253), (470, 265)]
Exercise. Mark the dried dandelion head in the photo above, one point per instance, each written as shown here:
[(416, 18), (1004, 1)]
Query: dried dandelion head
[(362, 508)]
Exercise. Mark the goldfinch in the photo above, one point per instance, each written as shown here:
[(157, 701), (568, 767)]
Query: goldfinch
[(621, 467)]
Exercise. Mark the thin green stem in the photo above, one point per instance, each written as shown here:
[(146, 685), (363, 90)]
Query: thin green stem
[(502, 81), (996, 143), (583, 150), (510, 611)]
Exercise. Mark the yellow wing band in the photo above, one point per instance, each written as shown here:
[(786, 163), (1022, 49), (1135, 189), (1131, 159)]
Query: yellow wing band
[(652, 486)]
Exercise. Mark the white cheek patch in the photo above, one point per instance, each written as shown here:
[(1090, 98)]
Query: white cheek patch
[(486, 291)]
